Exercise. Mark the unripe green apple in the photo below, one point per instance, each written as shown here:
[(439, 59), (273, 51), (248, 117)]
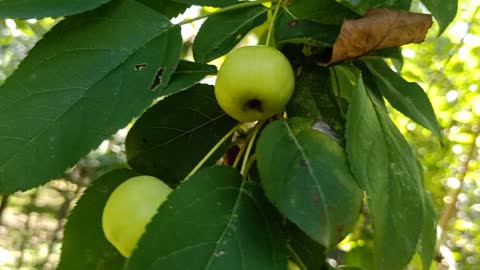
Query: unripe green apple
[(130, 208), (254, 83)]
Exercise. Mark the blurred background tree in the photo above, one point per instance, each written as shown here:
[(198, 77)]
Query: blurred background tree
[(447, 67)]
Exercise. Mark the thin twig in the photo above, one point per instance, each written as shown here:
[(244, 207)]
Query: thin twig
[(451, 208)]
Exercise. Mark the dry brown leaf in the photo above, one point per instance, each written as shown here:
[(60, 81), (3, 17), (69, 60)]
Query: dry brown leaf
[(379, 28)]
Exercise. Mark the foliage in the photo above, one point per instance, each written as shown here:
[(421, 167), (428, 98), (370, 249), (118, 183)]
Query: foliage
[(297, 195)]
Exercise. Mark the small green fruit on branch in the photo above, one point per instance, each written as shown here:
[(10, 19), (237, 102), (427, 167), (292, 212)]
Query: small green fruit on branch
[(130, 208), (379, 28), (254, 83)]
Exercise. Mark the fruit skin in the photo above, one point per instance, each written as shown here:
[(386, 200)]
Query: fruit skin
[(130, 208), (254, 83)]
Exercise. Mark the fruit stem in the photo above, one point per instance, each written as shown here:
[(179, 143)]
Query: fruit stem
[(337, 91), (256, 129), (226, 9), (215, 148), (296, 258), (240, 153), (272, 24), (250, 162)]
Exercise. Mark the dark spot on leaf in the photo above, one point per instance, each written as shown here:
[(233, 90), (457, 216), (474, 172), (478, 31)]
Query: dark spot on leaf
[(340, 233), (140, 66), (253, 104), (293, 23), (144, 140), (157, 80), (303, 163)]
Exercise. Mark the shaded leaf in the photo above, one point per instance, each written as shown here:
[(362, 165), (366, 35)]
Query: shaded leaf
[(220, 33), (168, 8), (362, 6), (87, 78), (175, 134), (345, 77), (380, 28), (386, 168), (28, 9), (443, 11), (428, 236), (292, 30), (407, 97), (84, 245), (311, 253), (211, 3), (215, 221), (325, 11), (314, 98), (186, 75), (401, 4), (394, 54), (305, 175)]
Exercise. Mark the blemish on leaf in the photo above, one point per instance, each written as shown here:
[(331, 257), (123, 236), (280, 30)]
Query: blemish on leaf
[(293, 23), (303, 163), (157, 79), (325, 129), (140, 67)]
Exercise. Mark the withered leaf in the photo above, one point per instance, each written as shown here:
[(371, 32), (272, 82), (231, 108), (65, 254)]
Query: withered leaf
[(379, 28)]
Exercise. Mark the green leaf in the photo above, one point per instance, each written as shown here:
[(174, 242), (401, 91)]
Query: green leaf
[(362, 6), (386, 168), (407, 97), (84, 245), (88, 77), (173, 136), (360, 256), (211, 3), (28, 9), (168, 8), (314, 98), (325, 11), (344, 77), (306, 249), (428, 236), (215, 221), (305, 175), (443, 11), (220, 33), (186, 75), (291, 30), (394, 54), (401, 4)]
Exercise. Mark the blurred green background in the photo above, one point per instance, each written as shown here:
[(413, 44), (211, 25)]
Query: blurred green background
[(447, 67)]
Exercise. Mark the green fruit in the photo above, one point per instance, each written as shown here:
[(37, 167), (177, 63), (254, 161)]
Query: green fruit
[(254, 83), (130, 208)]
